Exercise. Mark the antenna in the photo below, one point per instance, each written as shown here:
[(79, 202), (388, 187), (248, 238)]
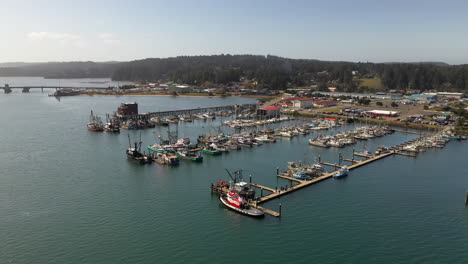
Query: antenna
[(230, 175)]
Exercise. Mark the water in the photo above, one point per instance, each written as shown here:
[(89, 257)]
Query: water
[(40, 81), (68, 195)]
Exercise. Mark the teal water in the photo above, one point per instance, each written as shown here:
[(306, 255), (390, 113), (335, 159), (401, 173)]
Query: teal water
[(68, 195)]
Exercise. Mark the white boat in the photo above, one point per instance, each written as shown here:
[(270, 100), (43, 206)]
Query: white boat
[(318, 143), (341, 172), (236, 203)]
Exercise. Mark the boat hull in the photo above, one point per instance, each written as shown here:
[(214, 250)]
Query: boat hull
[(254, 212)]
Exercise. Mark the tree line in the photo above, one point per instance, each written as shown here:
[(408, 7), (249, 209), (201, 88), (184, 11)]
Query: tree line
[(264, 72)]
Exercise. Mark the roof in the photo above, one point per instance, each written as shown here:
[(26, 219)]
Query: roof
[(299, 99), (383, 112), (326, 102), (269, 108), (423, 95)]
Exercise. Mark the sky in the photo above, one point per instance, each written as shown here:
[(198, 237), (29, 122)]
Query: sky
[(338, 30)]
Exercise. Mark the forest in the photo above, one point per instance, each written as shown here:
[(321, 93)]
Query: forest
[(270, 72)]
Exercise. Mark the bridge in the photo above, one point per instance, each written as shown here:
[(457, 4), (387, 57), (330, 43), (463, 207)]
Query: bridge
[(8, 89)]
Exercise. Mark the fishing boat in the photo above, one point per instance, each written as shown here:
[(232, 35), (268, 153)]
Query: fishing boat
[(109, 127), (189, 154), (211, 151), (286, 134), (236, 203), (382, 150), (134, 153), (300, 175), (95, 123), (318, 143), (166, 158), (219, 147), (342, 172)]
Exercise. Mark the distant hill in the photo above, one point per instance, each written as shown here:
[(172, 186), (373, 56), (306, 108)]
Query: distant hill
[(260, 72), (435, 63), (59, 69)]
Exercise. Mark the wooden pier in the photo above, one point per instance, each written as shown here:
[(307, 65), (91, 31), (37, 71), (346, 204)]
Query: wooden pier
[(362, 155), (149, 115), (351, 160), (302, 184), (289, 178), (263, 187)]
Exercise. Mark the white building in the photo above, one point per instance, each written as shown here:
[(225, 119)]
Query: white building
[(303, 103)]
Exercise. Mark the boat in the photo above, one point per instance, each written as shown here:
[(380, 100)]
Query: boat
[(211, 151), (342, 172), (134, 153), (300, 175), (218, 147), (318, 143), (236, 203), (110, 127), (95, 123), (382, 150), (166, 158), (286, 134), (189, 154)]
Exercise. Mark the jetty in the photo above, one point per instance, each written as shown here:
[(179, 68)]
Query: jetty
[(149, 115), (303, 183)]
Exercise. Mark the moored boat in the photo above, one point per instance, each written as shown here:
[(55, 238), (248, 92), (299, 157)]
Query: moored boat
[(189, 154), (318, 143), (211, 151), (342, 172), (236, 203)]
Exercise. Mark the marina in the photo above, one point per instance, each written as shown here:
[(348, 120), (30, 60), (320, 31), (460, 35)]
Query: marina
[(101, 193)]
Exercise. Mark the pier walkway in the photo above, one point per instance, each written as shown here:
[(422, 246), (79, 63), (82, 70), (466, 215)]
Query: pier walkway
[(147, 116), (278, 193)]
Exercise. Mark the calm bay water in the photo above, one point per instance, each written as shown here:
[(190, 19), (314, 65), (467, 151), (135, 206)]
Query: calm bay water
[(68, 195)]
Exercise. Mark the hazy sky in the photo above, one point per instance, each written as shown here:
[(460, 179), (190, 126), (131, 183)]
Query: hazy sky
[(351, 30)]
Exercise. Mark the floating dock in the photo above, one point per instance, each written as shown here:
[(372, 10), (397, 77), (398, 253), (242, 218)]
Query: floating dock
[(301, 184)]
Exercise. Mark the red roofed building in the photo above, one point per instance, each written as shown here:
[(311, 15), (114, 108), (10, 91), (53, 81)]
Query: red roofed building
[(268, 111), (325, 103)]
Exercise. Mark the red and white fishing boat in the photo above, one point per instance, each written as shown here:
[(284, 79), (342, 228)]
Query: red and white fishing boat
[(235, 202)]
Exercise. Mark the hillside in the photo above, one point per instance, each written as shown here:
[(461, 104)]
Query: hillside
[(270, 72)]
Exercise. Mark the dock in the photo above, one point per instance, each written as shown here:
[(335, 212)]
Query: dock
[(149, 115), (289, 178), (406, 154), (263, 187), (351, 160), (412, 132), (330, 164), (303, 184)]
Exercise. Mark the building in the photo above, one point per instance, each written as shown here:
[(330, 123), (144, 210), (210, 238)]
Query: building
[(451, 95), (350, 101), (443, 116), (268, 111), (126, 109), (383, 113), (303, 103), (422, 98), (325, 103)]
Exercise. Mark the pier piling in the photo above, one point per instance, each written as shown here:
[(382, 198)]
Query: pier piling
[(466, 199)]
